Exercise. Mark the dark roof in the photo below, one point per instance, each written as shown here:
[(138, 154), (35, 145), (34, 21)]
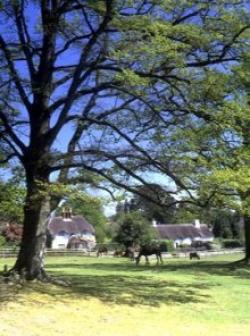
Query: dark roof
[(181, 231), (75, 224)]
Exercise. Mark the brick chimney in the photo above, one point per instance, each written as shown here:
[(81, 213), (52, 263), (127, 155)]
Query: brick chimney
[(66, 213), (154, 223)]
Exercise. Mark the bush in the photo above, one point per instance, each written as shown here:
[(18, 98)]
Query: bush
[(200, 246), (231, 243), (10, 245), (166, 245), (206, 246), (184, 248), (214, 246), (12, 233), (2, 241)]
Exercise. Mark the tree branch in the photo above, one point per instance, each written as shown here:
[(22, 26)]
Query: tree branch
[(14, 73)]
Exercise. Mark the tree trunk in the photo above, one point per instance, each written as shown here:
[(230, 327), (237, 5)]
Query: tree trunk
[(30, 260), (247, 238)]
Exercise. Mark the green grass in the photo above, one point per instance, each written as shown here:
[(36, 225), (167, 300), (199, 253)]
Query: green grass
[(112, 296)]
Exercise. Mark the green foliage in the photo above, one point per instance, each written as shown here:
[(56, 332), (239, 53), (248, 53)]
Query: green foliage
[(167, 245), (186, 214), (91, 209), (2, 241), (231, 243), (134, 229), (225, 223), (12, 198)]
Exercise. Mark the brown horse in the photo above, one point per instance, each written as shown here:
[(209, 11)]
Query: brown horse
[(118, 253), (147, 250), (130, 253)]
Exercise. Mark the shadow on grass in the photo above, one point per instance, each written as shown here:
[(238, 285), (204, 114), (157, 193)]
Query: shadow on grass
[(122, 282), (125, 283), (131, 290), (8, 291), (220, 268)]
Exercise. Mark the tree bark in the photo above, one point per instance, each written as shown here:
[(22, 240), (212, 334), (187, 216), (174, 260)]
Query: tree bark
[(247, 238), (30, 260)]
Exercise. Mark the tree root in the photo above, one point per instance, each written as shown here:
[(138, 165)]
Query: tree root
[(242, 262), (20, 277)]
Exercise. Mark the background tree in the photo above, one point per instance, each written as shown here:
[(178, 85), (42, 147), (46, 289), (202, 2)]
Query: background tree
[(91, 209), (75, 75), (230, 180), (216, 152), (225, 224), (12, 198), (133, 229)]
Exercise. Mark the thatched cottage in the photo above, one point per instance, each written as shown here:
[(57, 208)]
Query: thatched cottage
[(184, 234), (68, 231)]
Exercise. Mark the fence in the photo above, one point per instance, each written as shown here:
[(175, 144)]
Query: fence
[(6, 253), (203, 253)]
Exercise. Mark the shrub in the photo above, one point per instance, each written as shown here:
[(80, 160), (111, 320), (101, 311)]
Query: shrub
[(166, 245), (231, 243), (206, 246), (12, 233), (2, 241), (214, 246), (184, 248)]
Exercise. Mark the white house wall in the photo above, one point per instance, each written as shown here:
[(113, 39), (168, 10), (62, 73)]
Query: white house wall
[(60, 242), (206, 239), (185, 241)]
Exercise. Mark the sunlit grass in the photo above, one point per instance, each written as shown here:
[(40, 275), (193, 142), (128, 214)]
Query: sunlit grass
[(110, 296)]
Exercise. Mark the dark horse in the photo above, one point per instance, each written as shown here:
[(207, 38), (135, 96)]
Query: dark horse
[(102, 250), (194, 255), (147, 250)]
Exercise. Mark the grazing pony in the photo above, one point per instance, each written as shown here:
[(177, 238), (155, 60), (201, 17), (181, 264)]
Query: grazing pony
[(194, 255), (102, 250), (147, 250), (118, 253), (130, 253)]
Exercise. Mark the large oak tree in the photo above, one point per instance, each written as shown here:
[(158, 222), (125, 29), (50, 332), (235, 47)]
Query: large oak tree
[(91, 85)]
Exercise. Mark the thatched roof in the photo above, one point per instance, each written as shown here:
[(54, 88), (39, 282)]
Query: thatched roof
[(72, 225), (182, 231)]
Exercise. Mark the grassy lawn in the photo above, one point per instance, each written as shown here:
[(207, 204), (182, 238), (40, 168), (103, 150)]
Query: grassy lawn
[(110, 296)]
